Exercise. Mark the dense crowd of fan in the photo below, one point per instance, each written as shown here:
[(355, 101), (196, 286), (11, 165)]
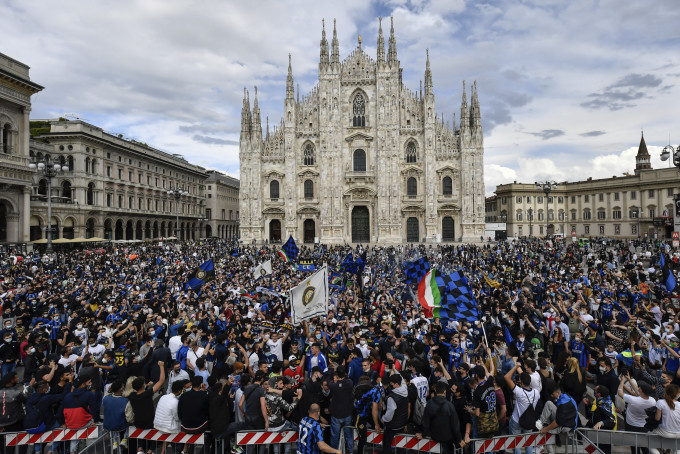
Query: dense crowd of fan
[(115, 336)]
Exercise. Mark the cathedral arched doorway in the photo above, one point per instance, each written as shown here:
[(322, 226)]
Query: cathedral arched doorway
[(310, 230), (274, 231), (412, 230), (448, 229), (361, 225)]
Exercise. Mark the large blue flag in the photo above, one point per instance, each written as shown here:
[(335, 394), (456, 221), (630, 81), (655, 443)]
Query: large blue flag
[(349, 265), (201, 275), (415, 270), (668, 278), (289, 251), (458, 302)]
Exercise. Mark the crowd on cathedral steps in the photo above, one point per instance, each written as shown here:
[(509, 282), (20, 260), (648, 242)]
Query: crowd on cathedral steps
[(568, 335)]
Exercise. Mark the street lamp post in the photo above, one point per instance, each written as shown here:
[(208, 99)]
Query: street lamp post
[(546, 187), (177, 193), (49, 169), (530, 215)]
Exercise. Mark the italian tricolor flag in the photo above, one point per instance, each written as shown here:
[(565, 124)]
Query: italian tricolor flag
[(429, 295), (283, 255)]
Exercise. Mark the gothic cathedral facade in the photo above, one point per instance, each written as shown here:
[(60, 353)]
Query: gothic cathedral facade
[(361, 159)]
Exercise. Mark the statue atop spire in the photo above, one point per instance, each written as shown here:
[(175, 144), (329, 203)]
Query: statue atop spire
[(257, 123), (392, 49), (335, 47), (381, 42), (323, 59), (290, 89)]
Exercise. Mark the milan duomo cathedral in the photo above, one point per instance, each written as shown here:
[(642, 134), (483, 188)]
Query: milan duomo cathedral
[(362, 158)]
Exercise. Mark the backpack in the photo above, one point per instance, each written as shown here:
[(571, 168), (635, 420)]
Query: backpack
[(129, 413), (567, 412), (527, 420), (418, 412)]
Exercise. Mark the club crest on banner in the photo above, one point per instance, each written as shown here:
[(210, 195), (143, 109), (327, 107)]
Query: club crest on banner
[(308, 294)]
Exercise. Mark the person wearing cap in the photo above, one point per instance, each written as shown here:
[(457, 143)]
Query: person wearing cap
[(293, 371)]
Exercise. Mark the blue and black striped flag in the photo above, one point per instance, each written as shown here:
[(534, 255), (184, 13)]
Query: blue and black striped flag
[(201, 275), (668, 279), (289, 251)]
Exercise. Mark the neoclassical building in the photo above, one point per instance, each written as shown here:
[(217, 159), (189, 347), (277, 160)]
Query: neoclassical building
[(115, 188), (637, 204), (221, 211), (16, 89), (362, 158)]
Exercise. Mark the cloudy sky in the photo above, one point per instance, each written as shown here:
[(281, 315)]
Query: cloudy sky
[(565, 86)]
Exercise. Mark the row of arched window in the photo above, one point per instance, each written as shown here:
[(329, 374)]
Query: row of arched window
[(411, 188), (309, 156)]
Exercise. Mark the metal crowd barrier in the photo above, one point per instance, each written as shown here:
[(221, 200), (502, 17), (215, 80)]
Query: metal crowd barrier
[(591, 439), (400, 441), (501, 443), (51, 436)]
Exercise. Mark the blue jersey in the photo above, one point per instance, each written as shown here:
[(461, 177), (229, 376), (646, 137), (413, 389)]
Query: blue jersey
[(579, 351), (364, 405), (55, 327), (309, 436)]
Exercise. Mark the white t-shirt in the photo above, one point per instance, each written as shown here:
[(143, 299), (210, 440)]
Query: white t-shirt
[(523, 398), (97, 351), (70, 361), (670, 419), (536, 381), (276, 348), (635, 412), (193, 356), (254, 361)]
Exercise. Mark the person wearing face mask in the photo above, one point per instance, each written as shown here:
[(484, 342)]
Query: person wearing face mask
[(9, 353), (605, 375), (41, 412), (294, 371), (176, 374), (9, 329)]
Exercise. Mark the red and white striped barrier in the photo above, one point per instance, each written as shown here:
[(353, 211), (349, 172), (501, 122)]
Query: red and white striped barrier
[(265, 438), (157, 435), (513, 441), (24, 438), (400, 441)]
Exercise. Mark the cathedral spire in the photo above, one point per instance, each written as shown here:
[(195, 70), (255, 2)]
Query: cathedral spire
[(245, 114), (392, 48), (335, 47), (289, 80), (464, 119), (323, 60), (381, 42), (257, 123), (428, 75), (474, 107), (267, 127)]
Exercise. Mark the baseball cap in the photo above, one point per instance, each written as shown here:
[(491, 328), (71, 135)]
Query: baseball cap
[(292, 358)]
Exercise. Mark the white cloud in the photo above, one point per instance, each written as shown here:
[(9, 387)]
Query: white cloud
[(166, 72)]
